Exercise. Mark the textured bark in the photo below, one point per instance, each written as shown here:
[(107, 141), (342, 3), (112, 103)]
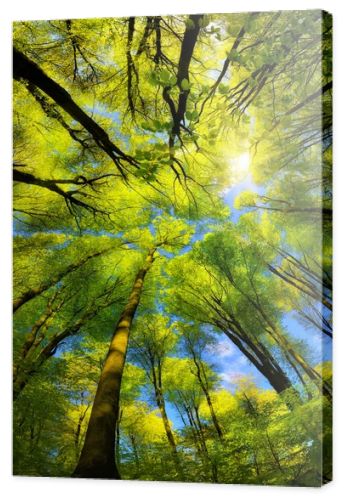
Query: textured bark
[(97, 458)]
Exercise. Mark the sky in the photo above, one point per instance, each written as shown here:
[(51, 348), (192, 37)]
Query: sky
[(226, 358), (229, 362)]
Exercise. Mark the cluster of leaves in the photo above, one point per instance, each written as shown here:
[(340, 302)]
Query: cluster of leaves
[(128, 141)]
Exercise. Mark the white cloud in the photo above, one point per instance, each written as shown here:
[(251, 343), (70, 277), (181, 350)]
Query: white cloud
[(232, 376), (223, 349)]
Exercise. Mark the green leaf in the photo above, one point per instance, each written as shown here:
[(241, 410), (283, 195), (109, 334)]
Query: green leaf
[(223, 89), (185, 85), (164, 76), (233, 55), (189, 24), (192, 115)]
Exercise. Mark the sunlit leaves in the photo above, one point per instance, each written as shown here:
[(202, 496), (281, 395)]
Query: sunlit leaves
[(230, 192)]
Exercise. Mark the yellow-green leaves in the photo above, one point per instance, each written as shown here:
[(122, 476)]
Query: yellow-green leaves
[(185, 84)]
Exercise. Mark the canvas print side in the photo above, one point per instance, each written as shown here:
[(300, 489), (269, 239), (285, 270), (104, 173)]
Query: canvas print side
[(172, 248)]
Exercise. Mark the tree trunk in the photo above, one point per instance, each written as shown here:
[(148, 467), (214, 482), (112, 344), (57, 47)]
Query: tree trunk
[(136, 455), (23, 375), (97, 458), (118, 438), (288, 350), (261, 358), (169, 434), (34, 292), (213, 414), (24, 68), (209, 463), (204, 387)]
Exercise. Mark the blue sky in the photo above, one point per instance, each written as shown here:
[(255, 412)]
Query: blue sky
[(229, 362), (226, 358)]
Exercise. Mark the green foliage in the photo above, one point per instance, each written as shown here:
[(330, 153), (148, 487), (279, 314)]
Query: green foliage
[(221, 165)]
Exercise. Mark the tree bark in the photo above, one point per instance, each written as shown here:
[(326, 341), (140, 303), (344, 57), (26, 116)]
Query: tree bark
[(97, 458), (136, 456)]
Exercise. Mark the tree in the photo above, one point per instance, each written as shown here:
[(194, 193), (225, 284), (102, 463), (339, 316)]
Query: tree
[(98, 454), (152, 341), (172, 189)]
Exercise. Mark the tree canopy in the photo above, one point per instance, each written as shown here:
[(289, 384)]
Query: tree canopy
[(172, 210)]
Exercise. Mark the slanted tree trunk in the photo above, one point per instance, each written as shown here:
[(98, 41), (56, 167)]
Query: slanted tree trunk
[(194, 429), (97, 459), (77, 437), (209, 463), (29, 365), (213, 413), (259, 356), (24, 68), (35, 291), (314, 376), (24, 374)]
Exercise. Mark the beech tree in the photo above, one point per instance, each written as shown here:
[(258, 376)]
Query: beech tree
[(172, 301)]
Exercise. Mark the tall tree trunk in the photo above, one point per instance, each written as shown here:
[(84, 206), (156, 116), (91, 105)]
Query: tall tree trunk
[(136, 456), (209, 463), (97, 458), (169, 434), (77, 437), (213, 414), (288, 350), (204, 386), (194, 428), (118, 438), (314, 376)]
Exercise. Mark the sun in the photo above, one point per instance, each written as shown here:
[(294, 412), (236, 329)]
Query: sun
[(240, 167)]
